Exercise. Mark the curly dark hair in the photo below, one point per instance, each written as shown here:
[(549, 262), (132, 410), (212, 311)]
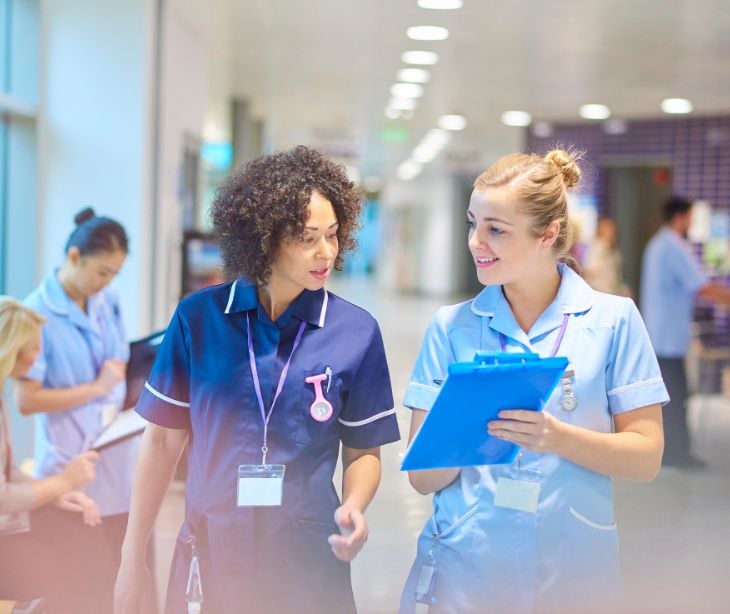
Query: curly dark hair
[(266, 201)]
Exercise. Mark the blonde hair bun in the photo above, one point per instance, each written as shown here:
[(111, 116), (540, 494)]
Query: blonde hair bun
[(567, 163)]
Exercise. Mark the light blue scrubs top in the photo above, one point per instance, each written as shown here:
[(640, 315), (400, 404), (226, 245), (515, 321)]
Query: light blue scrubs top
[(498, 559), (74, 345), (671, 276)]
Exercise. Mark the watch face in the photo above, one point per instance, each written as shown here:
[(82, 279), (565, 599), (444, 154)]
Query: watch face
[(568, 403), (321, 411)]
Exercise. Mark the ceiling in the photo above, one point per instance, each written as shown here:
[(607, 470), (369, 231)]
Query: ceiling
[(319, 71)]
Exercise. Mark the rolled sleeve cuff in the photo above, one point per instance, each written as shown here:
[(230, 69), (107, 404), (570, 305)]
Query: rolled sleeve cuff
[(374, 431), (162, 409), (420, 396), (636, 395)]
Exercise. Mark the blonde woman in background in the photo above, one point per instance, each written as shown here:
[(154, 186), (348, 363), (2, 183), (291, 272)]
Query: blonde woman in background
[(41, 520)]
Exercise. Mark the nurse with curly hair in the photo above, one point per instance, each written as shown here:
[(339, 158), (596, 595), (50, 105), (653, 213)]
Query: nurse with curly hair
[(265, 378)]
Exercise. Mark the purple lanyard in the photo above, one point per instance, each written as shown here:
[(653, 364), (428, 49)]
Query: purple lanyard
[(257, 384), (556, 347)]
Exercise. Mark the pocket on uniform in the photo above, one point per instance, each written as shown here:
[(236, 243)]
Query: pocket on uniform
[(443, 532), (309, 429), (591, 523)]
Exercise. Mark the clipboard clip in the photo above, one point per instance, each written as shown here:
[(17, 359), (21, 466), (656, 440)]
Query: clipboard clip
[(504, 358)]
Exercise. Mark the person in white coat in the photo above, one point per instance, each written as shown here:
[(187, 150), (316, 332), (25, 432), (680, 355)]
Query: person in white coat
[(537, 535)]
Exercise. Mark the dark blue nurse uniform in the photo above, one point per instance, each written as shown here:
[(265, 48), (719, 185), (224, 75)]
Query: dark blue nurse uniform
[(267, 559)]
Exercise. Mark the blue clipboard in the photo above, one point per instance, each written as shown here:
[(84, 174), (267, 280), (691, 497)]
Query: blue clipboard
[(454, 432)]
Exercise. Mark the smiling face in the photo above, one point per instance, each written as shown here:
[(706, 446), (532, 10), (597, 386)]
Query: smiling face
[(306, 262), (502, 240)]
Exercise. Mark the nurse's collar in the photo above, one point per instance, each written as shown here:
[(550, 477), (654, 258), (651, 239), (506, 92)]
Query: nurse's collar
[(310, 306)]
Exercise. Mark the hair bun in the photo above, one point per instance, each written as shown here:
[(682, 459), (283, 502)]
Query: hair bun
[(567, 164), (84, 215)]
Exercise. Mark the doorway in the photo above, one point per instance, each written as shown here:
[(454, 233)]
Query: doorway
[(636, 194)]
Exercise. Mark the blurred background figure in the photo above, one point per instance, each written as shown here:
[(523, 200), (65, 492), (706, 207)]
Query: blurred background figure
[(42, 522), (602, 260), (672, 279), (76, 386)]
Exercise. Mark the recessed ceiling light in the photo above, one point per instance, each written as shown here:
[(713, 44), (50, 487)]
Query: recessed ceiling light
[(542, 130), (427, 33), (408, 170), (452, 122), (516, 118), (413, 75), (594, 111), (421, 58), (406, 90), (437, 136), (425, 153), (402, 104), (392, 113), (677, 105), (443, 5)]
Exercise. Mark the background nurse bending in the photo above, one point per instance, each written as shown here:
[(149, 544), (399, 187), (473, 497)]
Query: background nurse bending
[(76, 386)]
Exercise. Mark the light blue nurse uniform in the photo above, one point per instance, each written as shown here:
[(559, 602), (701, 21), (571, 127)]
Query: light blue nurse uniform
[(74, 346), (564, 555)]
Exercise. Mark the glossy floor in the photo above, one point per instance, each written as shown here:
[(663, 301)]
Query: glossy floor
[(675, 531)]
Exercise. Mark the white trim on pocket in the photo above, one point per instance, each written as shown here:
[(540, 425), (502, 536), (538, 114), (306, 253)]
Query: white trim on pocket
[(458, 522), (590, 523)]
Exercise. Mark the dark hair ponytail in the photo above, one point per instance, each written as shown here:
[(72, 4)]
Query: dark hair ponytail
[(97, 234)]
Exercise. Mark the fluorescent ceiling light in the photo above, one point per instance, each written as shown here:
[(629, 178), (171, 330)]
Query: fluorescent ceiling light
[(594, 111), (424, 155), (413, 75), (441, 5), (452, 122), (516, 118), (408, 170), (436, 136), (677, 105), (421, 58), (427, 33), (402, 104), (407, 90)]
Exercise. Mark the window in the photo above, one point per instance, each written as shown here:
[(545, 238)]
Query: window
[(19, 52)]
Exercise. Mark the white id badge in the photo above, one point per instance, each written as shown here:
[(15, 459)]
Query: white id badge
[(520, 495), (260, 485)]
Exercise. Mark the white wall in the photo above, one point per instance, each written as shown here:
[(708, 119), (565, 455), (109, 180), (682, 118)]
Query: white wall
[(94, 131), (183, 100)]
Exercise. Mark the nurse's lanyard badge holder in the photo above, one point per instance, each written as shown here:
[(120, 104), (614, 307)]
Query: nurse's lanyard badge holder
[(258, 485), (426, 582)]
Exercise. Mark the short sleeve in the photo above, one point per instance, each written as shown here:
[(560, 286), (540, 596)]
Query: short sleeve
[(165, 399), (633, 378), (688, 271), (37, 372), (431, 368), (367, 418)]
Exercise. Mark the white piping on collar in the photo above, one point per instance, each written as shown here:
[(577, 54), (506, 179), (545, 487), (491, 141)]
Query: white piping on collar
[(231, 294), (51, 306), (323, 313)]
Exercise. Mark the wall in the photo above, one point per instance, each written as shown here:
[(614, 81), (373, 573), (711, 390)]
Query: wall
[(698, 149)]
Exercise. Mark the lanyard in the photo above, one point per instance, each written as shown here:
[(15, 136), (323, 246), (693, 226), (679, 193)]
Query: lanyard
[(257, 384), (558, 341)]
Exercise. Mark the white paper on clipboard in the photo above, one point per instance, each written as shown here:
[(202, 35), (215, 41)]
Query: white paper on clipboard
[(127, 424)]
